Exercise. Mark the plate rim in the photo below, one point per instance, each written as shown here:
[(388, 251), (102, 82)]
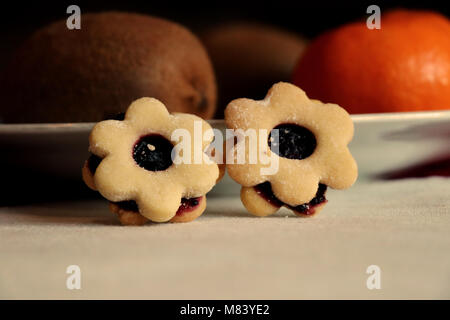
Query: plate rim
[(357, 118)]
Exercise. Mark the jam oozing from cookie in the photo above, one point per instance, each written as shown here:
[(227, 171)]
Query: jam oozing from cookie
[(187, 205), (309, 208), (265, 191), (294, 141), (153, 152)]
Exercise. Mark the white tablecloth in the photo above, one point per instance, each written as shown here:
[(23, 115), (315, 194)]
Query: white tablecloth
[(401, 226)]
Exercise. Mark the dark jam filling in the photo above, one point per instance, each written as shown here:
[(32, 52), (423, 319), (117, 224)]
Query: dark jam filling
[(308, 208), (187, 205), (294, 141), (265, 191), (153, 152)]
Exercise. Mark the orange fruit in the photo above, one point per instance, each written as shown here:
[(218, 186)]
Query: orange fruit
[(404, 66)]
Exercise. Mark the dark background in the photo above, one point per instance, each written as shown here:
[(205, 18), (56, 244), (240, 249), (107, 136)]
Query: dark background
[(308, 18)]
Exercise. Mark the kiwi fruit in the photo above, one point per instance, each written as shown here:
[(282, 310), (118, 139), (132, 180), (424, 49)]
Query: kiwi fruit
[(249, 58), (62, 75)]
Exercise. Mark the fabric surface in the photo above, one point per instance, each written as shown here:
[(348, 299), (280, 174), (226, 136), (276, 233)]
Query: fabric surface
[(401, 226)]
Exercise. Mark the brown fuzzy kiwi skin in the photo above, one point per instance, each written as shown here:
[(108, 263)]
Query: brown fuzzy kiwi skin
[(249, 58), (62, 75)]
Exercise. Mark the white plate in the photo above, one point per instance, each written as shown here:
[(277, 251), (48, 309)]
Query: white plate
[(382, 143)]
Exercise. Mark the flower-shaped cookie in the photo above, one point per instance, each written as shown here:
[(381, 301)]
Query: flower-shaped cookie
[(133, 165), (311, 151)]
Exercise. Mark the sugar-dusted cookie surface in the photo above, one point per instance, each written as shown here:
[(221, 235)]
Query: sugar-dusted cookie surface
[(310, 149), (133, 164)]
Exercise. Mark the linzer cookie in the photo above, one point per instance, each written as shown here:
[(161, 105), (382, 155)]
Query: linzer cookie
[(132, 165), (306, 139)]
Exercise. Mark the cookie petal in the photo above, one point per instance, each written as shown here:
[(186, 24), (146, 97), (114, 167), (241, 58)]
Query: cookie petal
[(196, 179), (245, 114), (340, 169), (295, 186), (161, 204), (283, 96), (112, 179), (333, 123), (147, 114), (255, 203), (195, 125), (104, 136)]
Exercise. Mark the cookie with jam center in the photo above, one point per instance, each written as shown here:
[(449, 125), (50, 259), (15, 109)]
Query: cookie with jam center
[(132, 165), (306, 145)]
